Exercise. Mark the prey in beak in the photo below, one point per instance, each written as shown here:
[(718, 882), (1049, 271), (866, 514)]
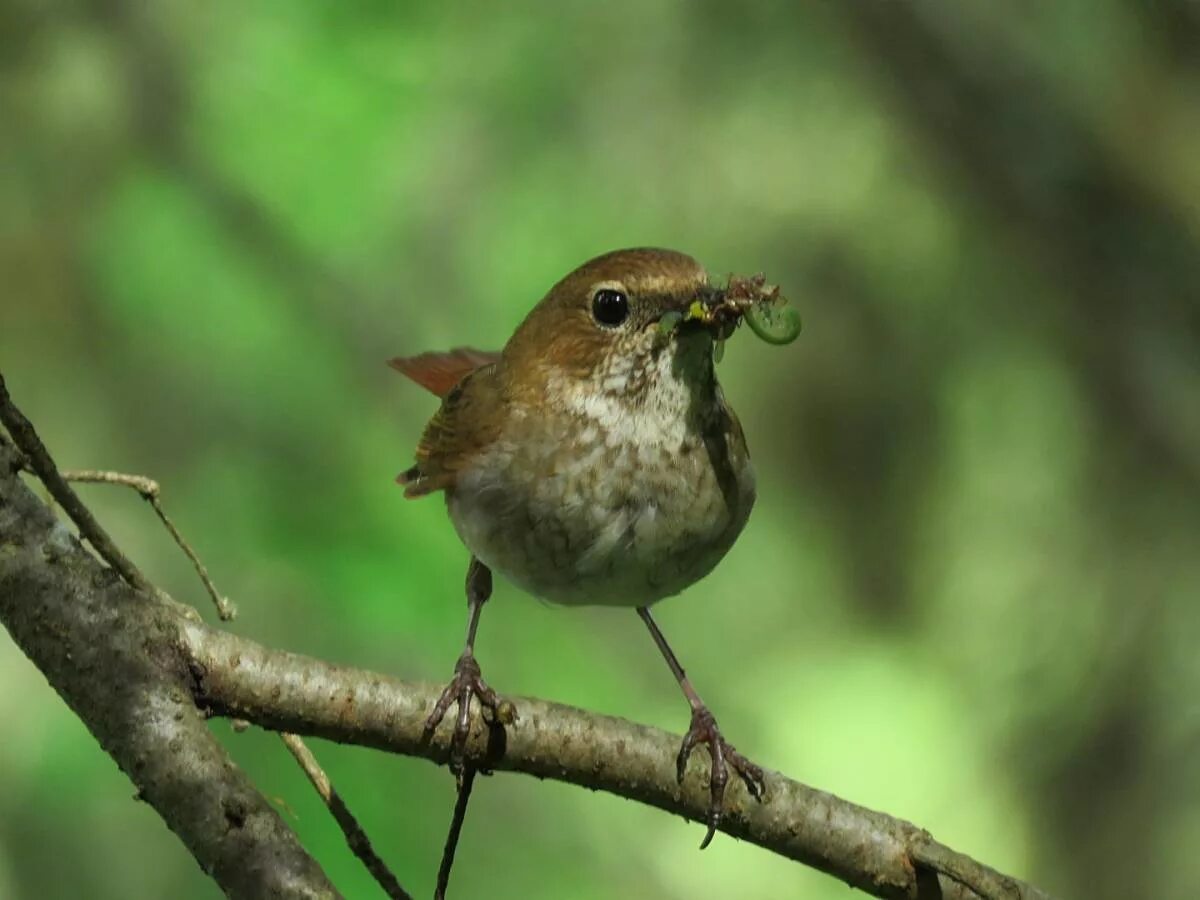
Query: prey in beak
[(722, 309)]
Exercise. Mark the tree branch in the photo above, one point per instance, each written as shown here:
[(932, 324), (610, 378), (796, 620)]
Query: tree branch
[(37, 457), (113, 655), (289, 692), (141, 676)]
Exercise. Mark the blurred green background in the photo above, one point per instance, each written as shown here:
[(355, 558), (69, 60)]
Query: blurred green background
[(969, 593)]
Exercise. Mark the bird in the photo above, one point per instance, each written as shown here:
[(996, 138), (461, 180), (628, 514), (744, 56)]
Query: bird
[(594, 460)]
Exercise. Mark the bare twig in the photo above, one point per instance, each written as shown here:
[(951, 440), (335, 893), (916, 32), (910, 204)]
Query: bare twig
[(20, 463), (149, 489), (356, 838), (465, 783), (38, 458)]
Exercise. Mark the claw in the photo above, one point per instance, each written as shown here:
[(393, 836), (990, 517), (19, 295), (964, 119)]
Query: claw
[(467, 682), (704, 730), (685, 751)]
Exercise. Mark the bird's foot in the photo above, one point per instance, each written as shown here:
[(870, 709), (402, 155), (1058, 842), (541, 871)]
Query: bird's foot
[(704, 730), (467, 683)]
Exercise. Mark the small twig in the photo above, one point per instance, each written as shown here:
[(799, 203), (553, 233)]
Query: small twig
[(466, 782), (149, 489), (20, 462), (985, 882), (355, 836), (42, 465)]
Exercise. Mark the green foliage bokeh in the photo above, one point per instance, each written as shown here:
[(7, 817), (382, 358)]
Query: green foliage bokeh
[(968, 594)]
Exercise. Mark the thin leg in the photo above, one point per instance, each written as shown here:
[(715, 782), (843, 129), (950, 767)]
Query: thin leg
[(468, 681), (479, 591), (704, 730)]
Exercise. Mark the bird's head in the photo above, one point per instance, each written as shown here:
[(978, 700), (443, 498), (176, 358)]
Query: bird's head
[(621, 319)]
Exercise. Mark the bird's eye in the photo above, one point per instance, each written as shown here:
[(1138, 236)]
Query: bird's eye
[(610, 307)]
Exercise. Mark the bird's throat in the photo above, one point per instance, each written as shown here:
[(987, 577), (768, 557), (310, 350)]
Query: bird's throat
[(661, 397)]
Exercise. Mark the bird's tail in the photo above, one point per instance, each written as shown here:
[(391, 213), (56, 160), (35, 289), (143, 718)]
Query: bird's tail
[(438, 372)]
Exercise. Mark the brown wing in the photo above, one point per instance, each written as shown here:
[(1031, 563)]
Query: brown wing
[(439, 372), (467, 422)]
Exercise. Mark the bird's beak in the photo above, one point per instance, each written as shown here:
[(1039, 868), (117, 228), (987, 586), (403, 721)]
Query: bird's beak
[(720, 310), (707, 309), (711, 309)]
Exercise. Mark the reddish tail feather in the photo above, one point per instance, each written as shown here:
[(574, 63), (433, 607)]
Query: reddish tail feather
[(438, 372)]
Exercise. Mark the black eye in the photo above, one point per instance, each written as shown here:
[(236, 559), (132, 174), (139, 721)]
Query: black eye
[(610, 307)]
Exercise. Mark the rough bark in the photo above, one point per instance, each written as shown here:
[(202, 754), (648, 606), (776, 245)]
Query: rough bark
[(114, 655)]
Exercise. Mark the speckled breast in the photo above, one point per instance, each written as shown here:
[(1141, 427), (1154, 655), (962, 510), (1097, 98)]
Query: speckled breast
[(591, 500)]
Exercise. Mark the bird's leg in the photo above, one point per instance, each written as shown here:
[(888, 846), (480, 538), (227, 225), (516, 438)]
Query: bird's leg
[(704, 730), (467, 680)]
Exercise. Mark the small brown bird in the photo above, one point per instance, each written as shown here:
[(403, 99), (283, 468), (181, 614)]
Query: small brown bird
[(594, 461)]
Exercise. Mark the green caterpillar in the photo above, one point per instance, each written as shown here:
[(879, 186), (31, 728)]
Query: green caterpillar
[(774, 321)]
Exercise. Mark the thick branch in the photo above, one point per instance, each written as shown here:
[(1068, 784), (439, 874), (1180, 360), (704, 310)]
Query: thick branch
[(113, 655), (288, 692)]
